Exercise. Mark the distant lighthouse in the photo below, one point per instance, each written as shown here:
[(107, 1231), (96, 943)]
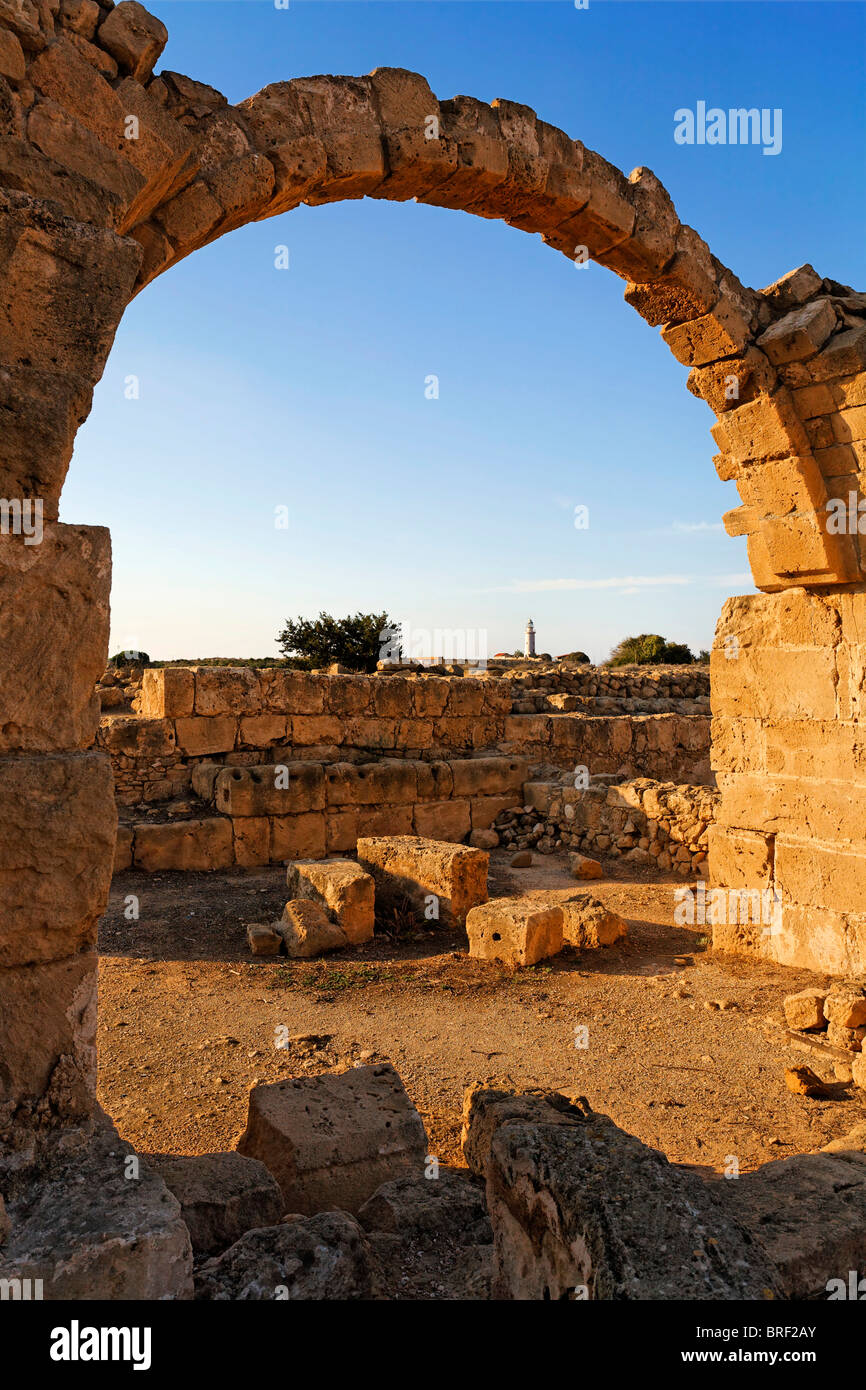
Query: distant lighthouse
[(529, 642)]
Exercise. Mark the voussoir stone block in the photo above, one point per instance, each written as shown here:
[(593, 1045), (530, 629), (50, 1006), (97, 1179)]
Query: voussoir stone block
[(342, 887), (332, 1140), (53, 635), (410, 867)]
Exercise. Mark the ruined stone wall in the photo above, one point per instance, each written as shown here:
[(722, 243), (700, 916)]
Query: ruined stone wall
[(242, 716), (647, 823), (272, 812)]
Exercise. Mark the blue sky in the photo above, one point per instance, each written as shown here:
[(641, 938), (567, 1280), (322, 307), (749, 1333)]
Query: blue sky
[(304, 388)]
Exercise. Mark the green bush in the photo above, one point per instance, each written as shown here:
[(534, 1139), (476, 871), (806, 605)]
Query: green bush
[(649, 649), (355, 642)]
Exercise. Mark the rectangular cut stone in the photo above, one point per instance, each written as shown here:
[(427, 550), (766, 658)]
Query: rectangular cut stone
[(740, 858), (167, 692), (514, 931), (252, 841), (800, 333), (415, 868), (48, 1031), (297, 837), (186, 844), (331, 1141), (206, 734), (385, 820), (57, 840), (226, 690), (822, 875), (392, 780), (292, 692), (53, 635), (342, 887), (272, 789), (488, 776), (443, 820)]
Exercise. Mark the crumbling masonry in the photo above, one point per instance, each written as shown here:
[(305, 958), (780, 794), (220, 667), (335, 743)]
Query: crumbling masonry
[(108, 177)]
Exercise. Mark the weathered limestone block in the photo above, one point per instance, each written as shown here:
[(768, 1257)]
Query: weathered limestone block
[(442, 820), (488, 776), (184, 844), (262, 730), (582, 867), (805, 1011), (167, 692), (845, 1005), (414, 868), (134, 37), (48, 1027), (122, 850), (739, 858), (41, 410), (297, 837), (808, 1215), (89, 1231), (343, 888), (226, 690), (587, 922), (385, 820), (57, 837), (264, 940), (514, 931), (580, 1209), (221, 1196), (137, 737), (393, 781), (485, 809), (271, 789), (451, 1204), (200, 735), (48, 682), (292, 692), (313, 1259), (801, 333), (308, 931), (252, 841), (332, 1140), (65, 285), (308, 730)]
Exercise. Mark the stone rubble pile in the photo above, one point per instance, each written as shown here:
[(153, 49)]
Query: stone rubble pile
[(644, 822), (835, 1016)]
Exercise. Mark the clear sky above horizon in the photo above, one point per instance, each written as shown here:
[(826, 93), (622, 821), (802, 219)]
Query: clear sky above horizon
[(305, 389)]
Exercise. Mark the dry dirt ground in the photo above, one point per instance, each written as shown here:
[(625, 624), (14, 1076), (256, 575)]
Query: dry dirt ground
[(686, 1050)]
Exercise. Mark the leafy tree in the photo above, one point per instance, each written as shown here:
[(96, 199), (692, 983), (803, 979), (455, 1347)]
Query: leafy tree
[(703, 657), (649, 649), (129, 658), (356, 642)]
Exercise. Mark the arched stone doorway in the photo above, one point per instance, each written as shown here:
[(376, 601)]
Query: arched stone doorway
[(108, 177)]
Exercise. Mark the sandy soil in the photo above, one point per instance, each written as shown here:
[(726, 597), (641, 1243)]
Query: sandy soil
[(686, 1050)]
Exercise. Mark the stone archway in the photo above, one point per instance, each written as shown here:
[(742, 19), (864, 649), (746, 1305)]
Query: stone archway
[(108, 176)]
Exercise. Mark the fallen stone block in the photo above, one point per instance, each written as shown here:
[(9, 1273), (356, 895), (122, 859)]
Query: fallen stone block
[(342, 887), (587, 922), (521, 860), (449, 1205), (858, 1070), (851, 1039), (89, 1228), (845, 1006), (484, 839), (804, 1082), (332, 1140), (805, 1010), (319, 1258), (264, 940), (514, 931), (485, 1109), (221, 1196), (408, 867), (308, 931), (582, 1210), (809, 1215), (581, 866)]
